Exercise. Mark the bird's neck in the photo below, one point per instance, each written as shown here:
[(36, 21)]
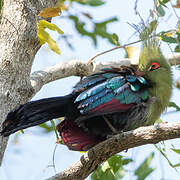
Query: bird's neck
[(162, 93)]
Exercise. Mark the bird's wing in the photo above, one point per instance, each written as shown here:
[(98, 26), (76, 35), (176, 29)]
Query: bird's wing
[(112, 90)]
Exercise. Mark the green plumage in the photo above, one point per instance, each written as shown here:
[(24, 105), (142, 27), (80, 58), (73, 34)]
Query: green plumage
[(159, 79)]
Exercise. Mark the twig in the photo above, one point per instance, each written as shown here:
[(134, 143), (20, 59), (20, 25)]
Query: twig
[(110, 125), (117, 47), (135, 7)]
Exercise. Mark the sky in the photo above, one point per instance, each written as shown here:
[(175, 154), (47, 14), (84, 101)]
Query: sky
[(30, 155)]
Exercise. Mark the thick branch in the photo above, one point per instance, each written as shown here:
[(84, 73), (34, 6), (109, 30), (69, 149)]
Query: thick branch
[(80, 68), (118, 143), (174, 59), (70, 68)]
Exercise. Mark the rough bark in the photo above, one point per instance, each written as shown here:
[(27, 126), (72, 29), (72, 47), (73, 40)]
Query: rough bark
[(118, 143), (18, 44)]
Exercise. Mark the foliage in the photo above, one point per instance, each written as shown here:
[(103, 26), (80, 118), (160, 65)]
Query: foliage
[(144, 170), (174, 105), (112, 169), (115, 168), (99, 28), (89, 2), (162, 150), (45, 37)]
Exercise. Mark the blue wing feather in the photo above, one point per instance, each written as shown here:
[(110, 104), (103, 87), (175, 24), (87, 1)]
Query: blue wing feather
[(94, 98), (99, 101), (102, 88), (131, 78)]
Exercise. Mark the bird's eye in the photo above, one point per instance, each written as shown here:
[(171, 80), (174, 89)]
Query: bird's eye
[(154, 66)]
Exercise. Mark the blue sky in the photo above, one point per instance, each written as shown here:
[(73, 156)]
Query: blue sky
[(31, 156)]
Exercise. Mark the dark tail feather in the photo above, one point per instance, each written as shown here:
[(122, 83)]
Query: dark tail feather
[(36, 112)]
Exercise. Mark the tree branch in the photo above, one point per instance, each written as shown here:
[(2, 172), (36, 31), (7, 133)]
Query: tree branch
[(80, 68), (174, 59), (118, 143), (69, 68)]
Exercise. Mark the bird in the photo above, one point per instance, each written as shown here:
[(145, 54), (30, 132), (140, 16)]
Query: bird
[(102, 104)]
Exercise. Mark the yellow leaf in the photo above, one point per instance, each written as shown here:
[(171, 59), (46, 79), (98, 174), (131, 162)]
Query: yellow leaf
[(133, 54), (178, 28), (45, 37), (53, 27), (169, 34), (50, 12), (53, 45), (160, 38), (177, 4), (42, 35), (82, 151)]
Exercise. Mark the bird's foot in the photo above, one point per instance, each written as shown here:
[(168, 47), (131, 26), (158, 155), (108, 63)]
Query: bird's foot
[(113, 129)]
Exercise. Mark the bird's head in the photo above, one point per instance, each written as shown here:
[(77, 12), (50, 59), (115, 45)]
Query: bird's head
[(157, 72), (155, 67)]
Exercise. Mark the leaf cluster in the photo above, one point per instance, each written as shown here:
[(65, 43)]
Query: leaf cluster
[(99, 29), (116, 168)]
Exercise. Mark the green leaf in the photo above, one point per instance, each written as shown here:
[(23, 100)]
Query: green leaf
[(22, 131), (165, 155), (176, 151), (144, 170), (99, 29), (54, 128), (177, 48), (126, 161), (146, 31), (166, 38), (90, 2), (177, 82), (115, 39), (163, 2), (99, 174), (112, 169), (46, 127), (158, 121), (174, 105), (115, 162), (160, 10), (176, 165), (94, 2), (80, 27)]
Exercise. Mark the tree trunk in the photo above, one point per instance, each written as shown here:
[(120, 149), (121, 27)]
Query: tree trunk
[(18, 44)]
